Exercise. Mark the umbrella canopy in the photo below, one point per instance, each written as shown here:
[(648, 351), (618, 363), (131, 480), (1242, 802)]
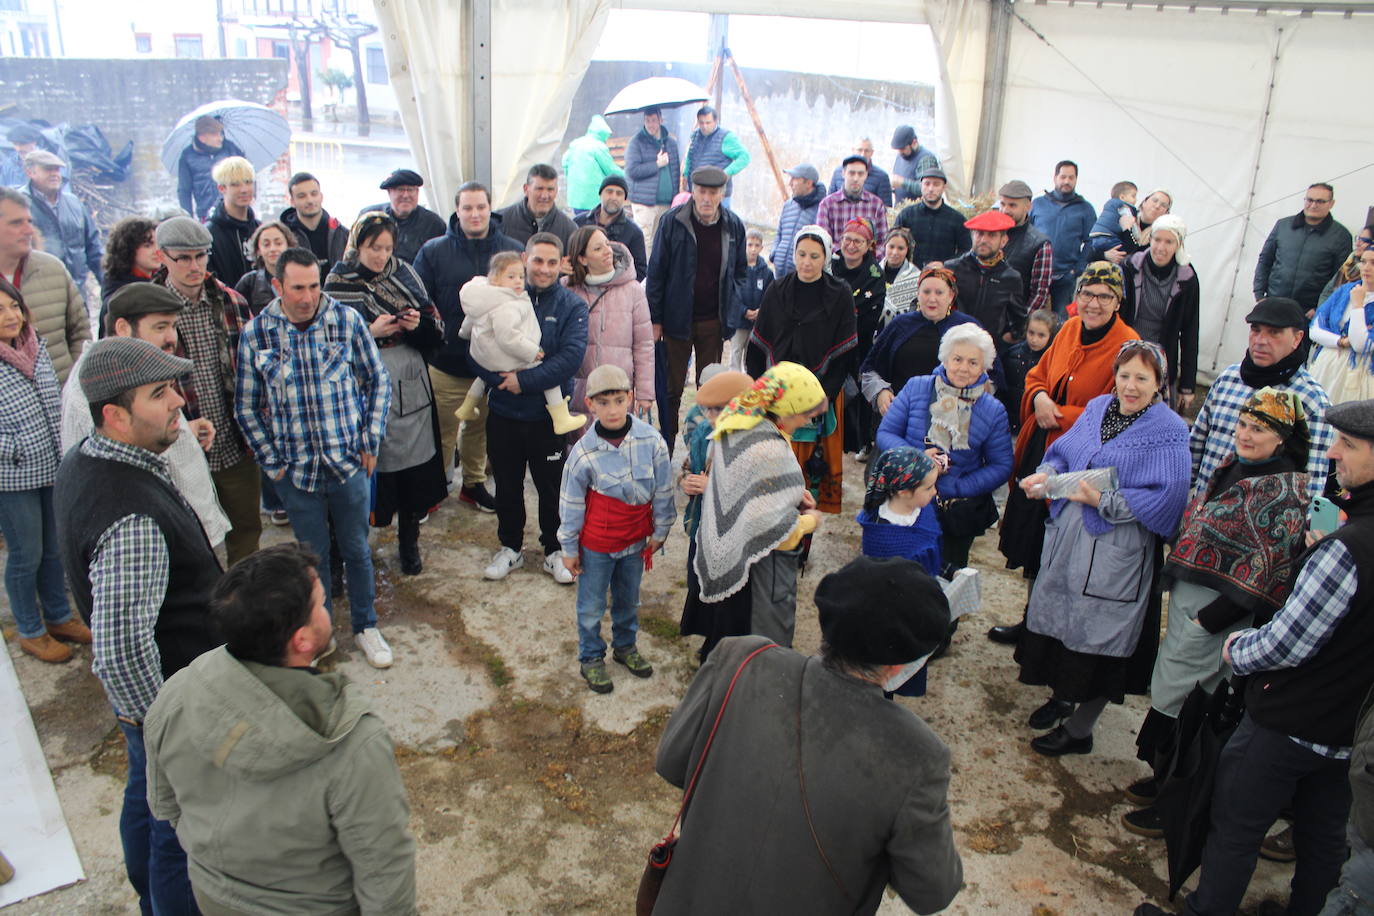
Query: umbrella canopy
[(656, 92), (260, 132)]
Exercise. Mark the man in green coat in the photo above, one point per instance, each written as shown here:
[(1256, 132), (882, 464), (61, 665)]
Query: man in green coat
[(587, 161)]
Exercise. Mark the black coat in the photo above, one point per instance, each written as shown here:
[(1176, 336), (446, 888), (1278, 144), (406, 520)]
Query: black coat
[(940, 234), (823, 340), (995, 296), (673, 268), (1179, 334), (229, 237), (1298, 259)]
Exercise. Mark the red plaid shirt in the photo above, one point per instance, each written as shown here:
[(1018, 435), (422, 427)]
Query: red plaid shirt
[(835, 210), (1038, 295)]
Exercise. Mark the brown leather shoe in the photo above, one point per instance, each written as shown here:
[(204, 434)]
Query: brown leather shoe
[(71, 631), (45, 649)]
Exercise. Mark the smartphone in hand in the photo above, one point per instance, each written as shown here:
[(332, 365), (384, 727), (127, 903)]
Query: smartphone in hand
[(1323, 518)]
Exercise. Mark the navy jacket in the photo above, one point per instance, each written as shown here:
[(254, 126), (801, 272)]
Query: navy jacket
[(563, 338), (759, 278), (673, 267), (642, 171), (69, 232), (444, 265), (196, 189), (797, 212), (623, 230), (877, 183), (1068, 223)]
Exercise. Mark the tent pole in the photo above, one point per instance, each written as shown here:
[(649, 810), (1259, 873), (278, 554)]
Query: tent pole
[(716, 40), (479, 88), (758, 124), (994, 96)]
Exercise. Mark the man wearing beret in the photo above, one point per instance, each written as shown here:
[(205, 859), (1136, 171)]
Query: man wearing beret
[(1274, 358), (937, 228), (212, 317), (990, 289), (141, 571), (150, 312), (1309, 676), (696, 277), (818, 793), (611, 217), (415, 224), (852, 202)]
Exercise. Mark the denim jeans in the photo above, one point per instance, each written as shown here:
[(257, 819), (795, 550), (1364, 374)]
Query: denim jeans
[(1354, 896), (600, 572), (33, 572), (153, 857), (270, 500), (347, 503)]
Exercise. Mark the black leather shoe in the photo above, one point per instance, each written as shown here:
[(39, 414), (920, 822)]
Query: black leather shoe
[(1060, 742), (1007, 636), (1051, 714)]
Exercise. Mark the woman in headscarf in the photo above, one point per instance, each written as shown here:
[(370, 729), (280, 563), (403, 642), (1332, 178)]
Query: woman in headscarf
[(808, 318), (1229, 569), (1075, 368), (1161, 302), (1343, 338), (409, 480), (855, 264), (1136, 236), (1093, 622), (755, 511)]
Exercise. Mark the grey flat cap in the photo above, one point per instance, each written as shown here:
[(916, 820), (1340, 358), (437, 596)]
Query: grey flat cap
[(708, 176), (1353, 417), (115, 365), (609, 377), (41, 157), (1016, 189), (805, 171), (932, 173), (181, 233)]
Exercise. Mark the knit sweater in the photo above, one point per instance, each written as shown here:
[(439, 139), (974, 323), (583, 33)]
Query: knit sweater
[(1151, 460)]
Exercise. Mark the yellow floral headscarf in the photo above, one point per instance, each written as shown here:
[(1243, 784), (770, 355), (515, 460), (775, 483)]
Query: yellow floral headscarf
[(785, 389)]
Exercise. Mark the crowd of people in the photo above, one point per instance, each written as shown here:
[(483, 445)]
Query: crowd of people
[(1030, 367)]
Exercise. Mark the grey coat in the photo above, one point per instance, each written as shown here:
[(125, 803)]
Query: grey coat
[(1298, 259), (876, 781)]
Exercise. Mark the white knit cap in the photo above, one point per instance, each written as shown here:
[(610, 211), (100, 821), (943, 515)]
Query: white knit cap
[(1171, 223)]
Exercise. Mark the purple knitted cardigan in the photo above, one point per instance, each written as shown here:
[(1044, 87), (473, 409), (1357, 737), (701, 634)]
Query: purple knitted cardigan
[(1151, 458)]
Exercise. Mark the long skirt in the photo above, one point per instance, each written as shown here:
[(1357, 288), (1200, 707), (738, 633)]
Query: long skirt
[(766, 605), (822, 463), (1022, 534), (1341, 381)]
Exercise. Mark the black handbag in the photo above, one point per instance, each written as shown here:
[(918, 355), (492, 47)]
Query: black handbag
[(966, 517)]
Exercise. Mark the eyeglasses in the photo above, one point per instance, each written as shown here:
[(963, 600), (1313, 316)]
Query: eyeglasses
[(1315, 200), (1086, 297), (201, 257)]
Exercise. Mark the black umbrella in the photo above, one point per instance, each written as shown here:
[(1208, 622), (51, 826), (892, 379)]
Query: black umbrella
[(1205, 724)]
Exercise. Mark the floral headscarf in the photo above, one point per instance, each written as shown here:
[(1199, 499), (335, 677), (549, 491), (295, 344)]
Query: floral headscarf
[(785, 389), (945, 274), (1282, 412), (895, 470)]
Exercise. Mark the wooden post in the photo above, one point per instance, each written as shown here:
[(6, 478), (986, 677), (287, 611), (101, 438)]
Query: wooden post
[(758, 124)]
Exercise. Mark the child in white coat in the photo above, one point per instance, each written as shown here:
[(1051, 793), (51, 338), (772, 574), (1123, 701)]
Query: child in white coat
[(499, 319)]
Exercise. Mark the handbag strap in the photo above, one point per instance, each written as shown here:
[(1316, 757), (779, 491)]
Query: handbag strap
[(691, 785), (806, 805)]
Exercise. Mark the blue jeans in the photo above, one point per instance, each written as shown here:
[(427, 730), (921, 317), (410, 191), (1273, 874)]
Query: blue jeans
[(153, 857), (1354, 896), (270, 500), (33, 572), (347, 503), (601, 571)]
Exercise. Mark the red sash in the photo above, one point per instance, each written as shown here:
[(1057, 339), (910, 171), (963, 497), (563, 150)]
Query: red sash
[(610, 525)]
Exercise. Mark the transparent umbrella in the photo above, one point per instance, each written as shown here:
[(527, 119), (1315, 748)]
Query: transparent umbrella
[(260, 132)]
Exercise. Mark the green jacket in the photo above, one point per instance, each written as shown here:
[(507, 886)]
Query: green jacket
[(587, 161), (283, 789)]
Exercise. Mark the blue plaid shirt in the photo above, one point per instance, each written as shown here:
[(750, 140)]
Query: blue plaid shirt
[(1214, 431), (636, 472), (1319, 601), (312, 401)]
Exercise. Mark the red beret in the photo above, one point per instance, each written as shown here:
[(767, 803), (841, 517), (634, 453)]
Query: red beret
[(991, 221)]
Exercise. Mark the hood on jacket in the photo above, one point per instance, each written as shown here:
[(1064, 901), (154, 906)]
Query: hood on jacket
[(219, 216), (479, 297), (262, 721), (622, 265), (293, 219), (598, 128)]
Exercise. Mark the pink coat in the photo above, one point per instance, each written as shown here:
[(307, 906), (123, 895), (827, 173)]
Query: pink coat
[(618, 330)]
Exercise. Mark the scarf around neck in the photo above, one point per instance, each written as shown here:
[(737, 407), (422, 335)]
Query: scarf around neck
[(1280, 373), (23, 356), (951, 409)]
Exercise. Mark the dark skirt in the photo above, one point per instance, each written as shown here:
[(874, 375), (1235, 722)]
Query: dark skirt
[(1155, 739), (414, 490), (718, 619), (1022, 537)]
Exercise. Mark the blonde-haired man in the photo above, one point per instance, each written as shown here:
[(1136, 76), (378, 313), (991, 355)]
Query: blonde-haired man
[(232, 222)]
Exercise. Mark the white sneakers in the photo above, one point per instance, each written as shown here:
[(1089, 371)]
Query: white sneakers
[(553, 565), (374, 647), (504, 561)]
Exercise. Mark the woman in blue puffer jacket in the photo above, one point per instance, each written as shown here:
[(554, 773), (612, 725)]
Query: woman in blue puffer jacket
[(957, 420)]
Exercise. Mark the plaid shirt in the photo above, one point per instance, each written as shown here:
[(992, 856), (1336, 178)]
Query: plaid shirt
[(208, 334), (1042, 270), (635, 473), (1214, 430), (1319, 601), (129, 570), (313, 401), (835, 210), (30, 420)]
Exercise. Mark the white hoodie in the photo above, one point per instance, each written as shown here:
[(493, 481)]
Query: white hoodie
[(501, 324)]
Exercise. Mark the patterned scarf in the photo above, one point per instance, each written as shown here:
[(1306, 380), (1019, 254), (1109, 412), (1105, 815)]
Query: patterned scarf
[(951, 409), (895, 470), (1114, 422)]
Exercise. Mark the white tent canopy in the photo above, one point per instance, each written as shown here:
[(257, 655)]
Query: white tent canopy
[(1233, 111)]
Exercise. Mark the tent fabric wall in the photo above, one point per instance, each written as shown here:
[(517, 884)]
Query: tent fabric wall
[(1180, 104), (540, 50), (959, 28)]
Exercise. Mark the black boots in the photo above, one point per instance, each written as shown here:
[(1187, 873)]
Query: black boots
[(408, 534)]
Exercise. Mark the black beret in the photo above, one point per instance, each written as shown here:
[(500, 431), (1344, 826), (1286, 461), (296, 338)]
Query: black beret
[(886, 611), (1278, 312), (403, 178)]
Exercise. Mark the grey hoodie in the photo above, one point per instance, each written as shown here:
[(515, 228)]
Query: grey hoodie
[(283, 789)]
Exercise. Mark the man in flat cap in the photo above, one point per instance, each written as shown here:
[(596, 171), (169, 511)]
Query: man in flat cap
[(612, 218), (913, 160), (208, 328), (990, 289), (1309, 677), (23, 140), (141, 572), (818, 793), (415, 224), (804, 181), (853, 201), (1274, 359), (936, 227), (696, 277), (149, 312), (69, 230), (1028, 250)]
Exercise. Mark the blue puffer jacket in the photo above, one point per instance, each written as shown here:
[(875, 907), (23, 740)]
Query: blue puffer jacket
[(673, 268), (563, 338), (797, 212), (444, 265), (1067, 221), (981, 468)]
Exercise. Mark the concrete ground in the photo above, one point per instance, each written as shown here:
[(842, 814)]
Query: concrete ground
[(530, 794)]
